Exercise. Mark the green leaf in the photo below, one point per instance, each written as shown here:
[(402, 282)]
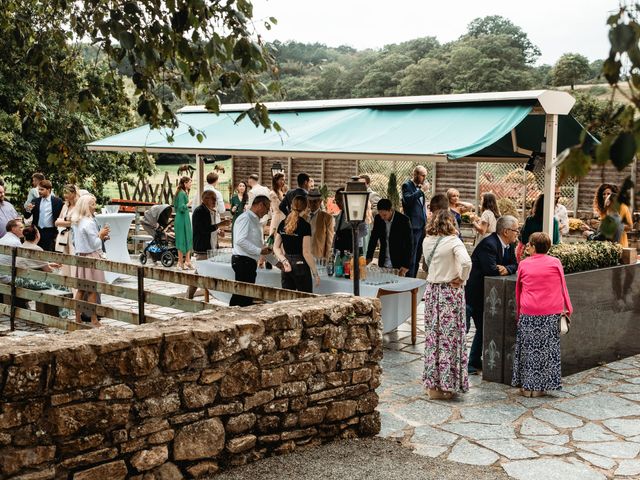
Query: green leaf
[(273, 20), (611, 70), (213, 104), (608, 227), (622, 150), (622, 37), (127, 40), (602, 150), (577, 164), (200, 137)]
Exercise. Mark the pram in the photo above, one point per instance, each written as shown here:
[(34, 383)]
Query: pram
[(155, 222)]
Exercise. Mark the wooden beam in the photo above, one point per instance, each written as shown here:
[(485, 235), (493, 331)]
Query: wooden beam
[(45, 320)]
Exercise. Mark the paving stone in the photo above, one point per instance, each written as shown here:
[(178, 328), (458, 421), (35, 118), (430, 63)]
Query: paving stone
[(477, 396), (581, 389), (556, 418), (633, 397), (390, 425), (592, 433), (634, 439), (532, 403), (429, 450), (550, 469), (426, 435), (421, 412), (625, 388), (531, 426), (598, 460), (620, 365), (623, 426), (410, 390), (599, 407), (628, 468), (553, 450), (512, 449), (610, 375), (611, 449), (480, 431), (634, 380), (600, 381), (496, 414), (552, 439), (465, 452)]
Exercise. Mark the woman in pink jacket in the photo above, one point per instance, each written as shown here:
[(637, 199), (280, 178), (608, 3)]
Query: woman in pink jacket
[(541, 297)]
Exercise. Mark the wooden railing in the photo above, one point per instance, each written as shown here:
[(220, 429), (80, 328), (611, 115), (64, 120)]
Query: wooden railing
[(138, 294)]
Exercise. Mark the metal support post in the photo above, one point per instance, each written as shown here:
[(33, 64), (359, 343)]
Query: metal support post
[(141, 296)]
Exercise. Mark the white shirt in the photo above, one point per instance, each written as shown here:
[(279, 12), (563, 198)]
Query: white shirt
[(45, 220), (33, 194), (7, 212), (562, 216), (256, 191), (85, 236), (247, 236), (387, 261), (449, 261), (8, 240), (219, 200)]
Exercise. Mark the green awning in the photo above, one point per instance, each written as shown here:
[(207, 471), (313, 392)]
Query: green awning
[(426, 131)]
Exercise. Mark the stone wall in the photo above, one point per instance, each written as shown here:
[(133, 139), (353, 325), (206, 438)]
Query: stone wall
[(189, 397)]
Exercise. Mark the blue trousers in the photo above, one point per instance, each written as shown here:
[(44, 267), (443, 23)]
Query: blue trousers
[(416, 256), (475, 355)]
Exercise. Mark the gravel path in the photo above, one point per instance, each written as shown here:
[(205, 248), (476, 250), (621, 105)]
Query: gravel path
[(360, 459)]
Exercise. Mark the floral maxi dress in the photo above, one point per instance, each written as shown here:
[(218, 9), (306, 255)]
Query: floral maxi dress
[(445, 352)]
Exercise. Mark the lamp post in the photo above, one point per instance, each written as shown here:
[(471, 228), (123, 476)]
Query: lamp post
[(356, 201), (276, 168)]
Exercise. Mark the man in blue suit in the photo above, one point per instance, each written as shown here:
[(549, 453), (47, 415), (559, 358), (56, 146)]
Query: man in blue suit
[(492, 257), (414, 205)]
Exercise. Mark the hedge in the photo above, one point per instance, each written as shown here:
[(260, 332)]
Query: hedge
[(582, 256)]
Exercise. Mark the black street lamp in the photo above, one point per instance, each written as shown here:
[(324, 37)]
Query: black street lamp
[(276, 168), (356, 202)]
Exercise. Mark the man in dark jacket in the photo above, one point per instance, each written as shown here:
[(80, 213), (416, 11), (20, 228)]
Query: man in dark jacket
[(45, 210), (301, 191), (393, 230), (203, 227), (492, 257), (414, 207)]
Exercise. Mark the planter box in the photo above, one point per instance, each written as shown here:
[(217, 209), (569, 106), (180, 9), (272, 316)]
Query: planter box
[(605, 325)]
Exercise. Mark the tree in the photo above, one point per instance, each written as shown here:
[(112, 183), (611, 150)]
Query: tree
[(380, 78), (52, 101), (422, 78), (392, 191), (570, 69), (497, 25)]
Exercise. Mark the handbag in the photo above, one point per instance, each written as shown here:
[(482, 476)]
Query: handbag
[(565, 324)]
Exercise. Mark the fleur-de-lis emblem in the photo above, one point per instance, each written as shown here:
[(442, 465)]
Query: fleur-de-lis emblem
[(492, 354), (493, 301), (512, 355), (512, 308)]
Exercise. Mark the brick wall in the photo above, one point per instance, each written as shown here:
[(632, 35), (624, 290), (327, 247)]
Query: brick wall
[(191, 396)]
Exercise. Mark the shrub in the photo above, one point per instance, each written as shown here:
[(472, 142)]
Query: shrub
[(582, 256), (508, 207), (392, 191)]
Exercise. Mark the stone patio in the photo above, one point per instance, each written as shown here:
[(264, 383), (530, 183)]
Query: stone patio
[(589, 430)]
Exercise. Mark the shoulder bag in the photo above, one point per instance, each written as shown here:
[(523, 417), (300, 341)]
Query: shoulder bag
[(565, 323), (427, 263)]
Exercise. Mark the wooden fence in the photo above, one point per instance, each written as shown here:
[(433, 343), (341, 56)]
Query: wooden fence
[(12, 292)]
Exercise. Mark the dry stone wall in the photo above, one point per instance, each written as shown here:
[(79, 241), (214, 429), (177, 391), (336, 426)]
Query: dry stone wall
[(189, 397)]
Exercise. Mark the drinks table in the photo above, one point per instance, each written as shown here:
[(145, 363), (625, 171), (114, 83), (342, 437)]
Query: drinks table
[(116, 246), (399, 300)]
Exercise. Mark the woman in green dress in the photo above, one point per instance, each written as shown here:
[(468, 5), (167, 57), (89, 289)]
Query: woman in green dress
[(182, 224), (238, 202)]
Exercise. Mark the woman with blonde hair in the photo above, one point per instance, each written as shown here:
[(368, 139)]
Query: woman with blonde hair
[(448, 266), (88, 241), (182, 224), (292, 248), (457, 207), (64, 242)]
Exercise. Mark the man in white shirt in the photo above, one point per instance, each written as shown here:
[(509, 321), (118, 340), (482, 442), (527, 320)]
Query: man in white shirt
[(256, 190), (36, 178), (7, 212), (45, 210), (561, 215), (248, 246), (212, 183)]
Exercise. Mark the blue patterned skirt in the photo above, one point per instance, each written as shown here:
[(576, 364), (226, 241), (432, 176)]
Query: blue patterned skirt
[(445, 352), (536, 363)]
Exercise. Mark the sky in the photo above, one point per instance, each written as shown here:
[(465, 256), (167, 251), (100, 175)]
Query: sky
[(555, 26)]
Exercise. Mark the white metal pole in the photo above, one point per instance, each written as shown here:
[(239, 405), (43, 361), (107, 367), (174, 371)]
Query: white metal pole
[(551, 129)]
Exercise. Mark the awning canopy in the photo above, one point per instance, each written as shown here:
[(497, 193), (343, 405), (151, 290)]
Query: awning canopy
[(424, 128)]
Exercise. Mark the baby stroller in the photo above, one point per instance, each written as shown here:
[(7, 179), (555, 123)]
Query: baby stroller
[(155, 222)]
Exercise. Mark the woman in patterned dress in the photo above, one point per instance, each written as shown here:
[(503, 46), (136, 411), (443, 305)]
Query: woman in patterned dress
[(541, 297), (448, 265), (182, 224)]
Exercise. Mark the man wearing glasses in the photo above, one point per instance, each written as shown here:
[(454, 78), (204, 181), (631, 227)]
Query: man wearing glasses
[(492, 257)]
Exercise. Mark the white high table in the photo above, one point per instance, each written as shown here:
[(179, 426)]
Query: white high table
[(399, 300), (116, 246)]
